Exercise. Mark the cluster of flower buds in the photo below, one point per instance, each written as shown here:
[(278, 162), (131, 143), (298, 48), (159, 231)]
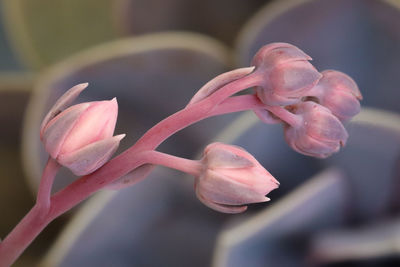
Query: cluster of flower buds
[(320, 101), (232, 178), (80, 137), (311, 105), (314, 106)]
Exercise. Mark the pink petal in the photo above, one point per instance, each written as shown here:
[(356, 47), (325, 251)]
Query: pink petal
[(276, 53), (326, 127), (219, 82), (62, 103), (285, 54), (342, 104), (308, 146), (292, 79), (222, 158), (221, 207), (96, 123), (91, 157), (342, 81), (225, 190), (58, 128)]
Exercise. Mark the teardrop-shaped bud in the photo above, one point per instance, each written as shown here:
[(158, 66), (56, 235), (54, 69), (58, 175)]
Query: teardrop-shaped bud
[(286, 74), (231, 179), (339, 93), (80, 137), (319, 135)]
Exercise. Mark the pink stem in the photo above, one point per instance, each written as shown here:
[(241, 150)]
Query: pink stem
[(128, 160), (251, 102), (285, 115), (191, 114), (46, 183), (253, 79), (238, 103), (33, 223), (22, 235), (192, 167)]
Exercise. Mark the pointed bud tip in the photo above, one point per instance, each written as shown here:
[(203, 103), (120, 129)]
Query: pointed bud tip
[(83, 85), (120, 137), (114, 102)]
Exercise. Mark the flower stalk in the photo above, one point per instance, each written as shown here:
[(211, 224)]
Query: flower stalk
[(227, 178)]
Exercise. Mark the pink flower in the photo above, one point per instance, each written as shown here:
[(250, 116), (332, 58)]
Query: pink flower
[(232, 178), (286, 74), (81, 137), (319, 133), (339, 93)]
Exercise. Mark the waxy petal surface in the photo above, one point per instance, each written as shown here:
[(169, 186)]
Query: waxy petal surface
[(96, 123), (62, 103), (91, 157), (57, 130), (218, 82)]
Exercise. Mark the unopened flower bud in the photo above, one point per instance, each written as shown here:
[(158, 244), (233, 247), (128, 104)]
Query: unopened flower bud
[(232, 178), (319, 134), (339, 93), (81, 136), (218, 82), (286, 74)]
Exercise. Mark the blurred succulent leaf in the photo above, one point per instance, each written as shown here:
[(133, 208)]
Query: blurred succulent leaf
[(374, 138), (371, 241), (132, 16), (9, 61), (265, 238), (45, 31)]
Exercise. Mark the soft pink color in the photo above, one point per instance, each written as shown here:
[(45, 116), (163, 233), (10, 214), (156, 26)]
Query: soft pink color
[(232, 178), (339, 93), (81, 136), (219, 82), (318, 133), (227, 177), (287, 74)]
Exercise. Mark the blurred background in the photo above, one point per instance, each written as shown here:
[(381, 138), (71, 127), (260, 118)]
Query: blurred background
[(153, 55)]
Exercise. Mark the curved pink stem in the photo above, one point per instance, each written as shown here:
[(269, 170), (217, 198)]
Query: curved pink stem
[(46, 183), (251, 102), (192, 167), (34, 222)]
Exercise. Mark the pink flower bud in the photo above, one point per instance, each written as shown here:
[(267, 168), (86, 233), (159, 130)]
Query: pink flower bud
[(81, 136), (319, 134), (232, 178), (218, 82), (286, 72), (339, 93)]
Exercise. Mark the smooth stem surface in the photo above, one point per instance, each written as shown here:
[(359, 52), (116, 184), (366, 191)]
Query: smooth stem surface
[(251, 102), (193, 113), (238, 103), (192, 167), (285, 115), (34, 222), (128, 160), (46, 183), (23, 234)]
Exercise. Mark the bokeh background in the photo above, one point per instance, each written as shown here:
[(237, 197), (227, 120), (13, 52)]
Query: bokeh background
[(153, 55)]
